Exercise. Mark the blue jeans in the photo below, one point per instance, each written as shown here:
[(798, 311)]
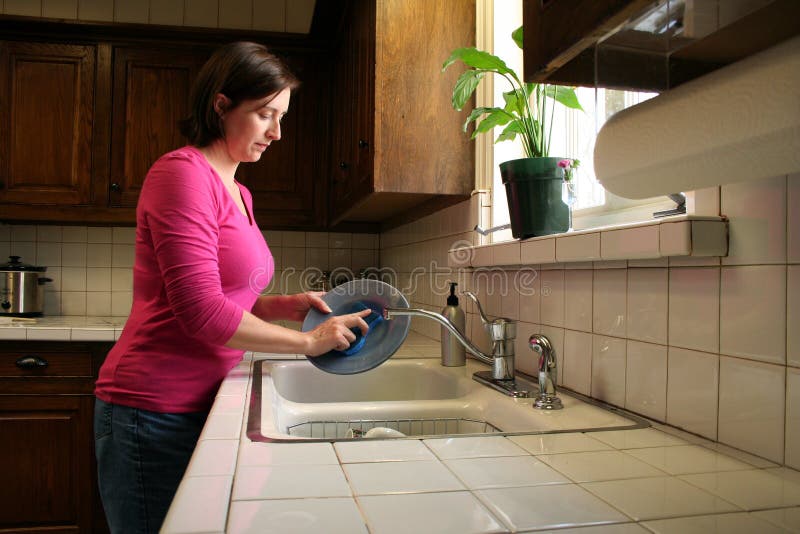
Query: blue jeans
[(141, 458)]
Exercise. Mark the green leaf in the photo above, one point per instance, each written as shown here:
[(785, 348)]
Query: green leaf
[(517, 36), (563, 95), (476, 113), (514, 104), (496, 117), (477, 59), (465, 86), (510, 132)]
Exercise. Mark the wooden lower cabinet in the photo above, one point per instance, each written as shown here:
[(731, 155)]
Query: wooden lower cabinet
[(48, 480)]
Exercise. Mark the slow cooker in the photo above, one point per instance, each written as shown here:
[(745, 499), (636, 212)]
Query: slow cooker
[(21, 289)]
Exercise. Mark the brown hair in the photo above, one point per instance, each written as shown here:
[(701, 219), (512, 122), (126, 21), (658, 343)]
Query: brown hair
[(240, 71)]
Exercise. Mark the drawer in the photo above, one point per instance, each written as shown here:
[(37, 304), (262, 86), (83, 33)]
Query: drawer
[(45, 364)]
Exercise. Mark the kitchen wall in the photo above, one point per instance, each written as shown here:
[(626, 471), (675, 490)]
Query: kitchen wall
[(292, 16), (711, 346), (92, 274)]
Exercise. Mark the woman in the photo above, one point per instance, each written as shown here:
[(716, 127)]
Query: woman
[(201, 264)]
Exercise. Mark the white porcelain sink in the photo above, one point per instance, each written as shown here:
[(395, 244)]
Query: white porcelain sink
[(293, 400)]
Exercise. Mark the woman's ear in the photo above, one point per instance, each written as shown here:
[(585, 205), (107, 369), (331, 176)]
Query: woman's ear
[(221, 104)]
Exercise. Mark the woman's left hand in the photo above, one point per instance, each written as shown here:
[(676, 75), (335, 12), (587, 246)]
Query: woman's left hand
[(300, 303)]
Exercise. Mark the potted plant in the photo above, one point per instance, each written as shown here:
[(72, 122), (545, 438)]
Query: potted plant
[(533, 184)]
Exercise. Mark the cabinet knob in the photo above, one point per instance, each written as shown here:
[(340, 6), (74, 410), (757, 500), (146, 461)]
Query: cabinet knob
[(32, 362), (343, 165), (115, 187), (362, 143)]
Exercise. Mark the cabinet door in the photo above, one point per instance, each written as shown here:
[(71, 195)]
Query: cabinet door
[(46, 114), (151, 94), (288, 182), (45, 463)]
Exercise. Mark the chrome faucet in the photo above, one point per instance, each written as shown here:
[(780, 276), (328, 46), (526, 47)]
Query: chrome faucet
[(548, 373), (502, 332)]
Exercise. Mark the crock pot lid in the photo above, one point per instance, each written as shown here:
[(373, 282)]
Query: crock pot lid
[(15, 265)]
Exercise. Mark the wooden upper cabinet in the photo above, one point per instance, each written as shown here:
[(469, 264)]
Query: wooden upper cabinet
[(396, 131), (151, 94), (288, 182), (47, 91)]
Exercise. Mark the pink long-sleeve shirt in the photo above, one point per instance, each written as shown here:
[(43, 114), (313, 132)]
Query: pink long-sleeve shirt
[(200, 262)]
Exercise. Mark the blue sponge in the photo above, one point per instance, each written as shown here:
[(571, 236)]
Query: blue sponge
[(372, 320)]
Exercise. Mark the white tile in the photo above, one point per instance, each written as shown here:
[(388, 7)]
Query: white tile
[(506, 253), (793, 219), (22, 232), (122, 255), (615, 528), (73, 302), (290, 482), (538, 251), (608, 369), (428, 512), (296, 516), (738, 523), (48, 254), (96, 10), (222, 426), (751, 406), (73, 255), (530, 295), (382, 451), (98, 255), (710, 238), (74, 234), (255, 453), (793, 315), (98, 279), (786, 518), (752, 490), (448, 448), (658, 497), (599, 465), (199, 505), (576, 367), (746, 457), (582, 247), (317, 239), (686, 459), (756, 214), (559, 443), (647, 305), (675, 239), (630, 243), (753, 312), (73, 278), (48, 334), (168, 12), (692, 390), (121, 279), (400, 477), (60, 9), (294, 239), (578, 300), (792, 455), (646, 379), (121, 303), (609, 302), (638, 438), (562, 505), (694, 308), (97, 234), (131, 11), (552, 298), (91, 334), (213, 457), (503, 472)]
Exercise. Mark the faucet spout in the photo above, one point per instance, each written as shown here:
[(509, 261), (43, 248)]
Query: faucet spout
[(548, 373), (389, 313)]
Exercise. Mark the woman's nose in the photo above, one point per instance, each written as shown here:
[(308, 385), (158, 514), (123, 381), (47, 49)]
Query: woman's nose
[(275, 131)]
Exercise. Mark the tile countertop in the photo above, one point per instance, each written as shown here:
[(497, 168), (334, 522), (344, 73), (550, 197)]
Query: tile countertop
[(62, 328), (657, 479)]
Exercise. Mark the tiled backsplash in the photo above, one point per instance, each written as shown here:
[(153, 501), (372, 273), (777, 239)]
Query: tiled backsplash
[(708, 345), (91, 267)]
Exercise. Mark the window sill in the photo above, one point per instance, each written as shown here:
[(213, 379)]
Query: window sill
[(677, 236)]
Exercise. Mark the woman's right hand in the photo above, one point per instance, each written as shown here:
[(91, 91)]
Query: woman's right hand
[(335, 334)]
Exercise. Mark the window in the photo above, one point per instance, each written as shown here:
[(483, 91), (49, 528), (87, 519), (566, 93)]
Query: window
[(573, 136)]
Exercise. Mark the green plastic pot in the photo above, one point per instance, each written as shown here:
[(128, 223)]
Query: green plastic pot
[(533, 189)]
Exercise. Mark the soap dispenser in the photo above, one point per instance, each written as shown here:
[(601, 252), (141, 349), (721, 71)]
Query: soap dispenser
[(453, 353)]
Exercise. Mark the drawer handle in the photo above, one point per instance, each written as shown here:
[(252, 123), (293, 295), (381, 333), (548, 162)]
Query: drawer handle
[(32, 362)]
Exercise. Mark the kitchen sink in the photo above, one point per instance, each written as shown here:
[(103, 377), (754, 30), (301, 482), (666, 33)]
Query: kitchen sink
[(294, 401)]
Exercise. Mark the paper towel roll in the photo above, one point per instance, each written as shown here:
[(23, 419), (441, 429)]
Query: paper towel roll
[(738, 123)]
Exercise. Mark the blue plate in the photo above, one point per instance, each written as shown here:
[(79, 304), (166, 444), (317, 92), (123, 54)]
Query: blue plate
[(381, 341)]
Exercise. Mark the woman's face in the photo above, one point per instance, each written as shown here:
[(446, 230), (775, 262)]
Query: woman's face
[(251, 126)]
